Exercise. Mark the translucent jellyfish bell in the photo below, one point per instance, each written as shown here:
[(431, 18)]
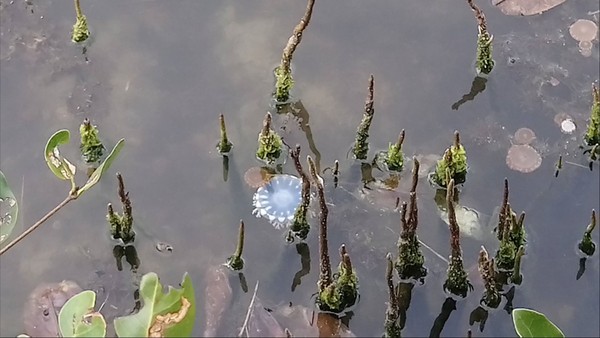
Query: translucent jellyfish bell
[(278, 200)]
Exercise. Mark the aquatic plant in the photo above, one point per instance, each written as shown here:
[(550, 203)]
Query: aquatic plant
[(224, 146), (284, 81), (91, 147), (457, 281), (236, 262), (80, 28), (278, 200), (410, 261), (530, 323), (121, 225), (587, 245), (9, 209), (269, 143), (484, 61), (361, 146), (64, 170), (391, 325), (452, 165), (592, 135), (395, 156), (300, 226), (491, 296)]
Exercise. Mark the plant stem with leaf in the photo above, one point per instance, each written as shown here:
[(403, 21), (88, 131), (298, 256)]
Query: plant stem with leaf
[(236, 262)]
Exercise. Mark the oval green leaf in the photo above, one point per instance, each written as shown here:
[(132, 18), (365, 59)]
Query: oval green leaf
[(102, 168), (530, 323), (53, 158), (158, 303), (77, 317), (9, 209)]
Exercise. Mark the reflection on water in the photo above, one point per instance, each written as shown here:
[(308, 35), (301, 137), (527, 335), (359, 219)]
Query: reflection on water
[(159, 73)]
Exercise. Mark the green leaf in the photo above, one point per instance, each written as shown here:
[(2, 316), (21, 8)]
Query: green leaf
[(158, 303), (59, 166), (102, 168), (9, 209), (530, 323), (77, 317)]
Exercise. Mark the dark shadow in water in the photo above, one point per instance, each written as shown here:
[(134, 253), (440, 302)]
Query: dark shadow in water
[(581, 269), (479, 315), (404, 296), (130, 254), (438, 325), (510, 295), (243, 283), (225, 167), (477, 87), (366, 173), (299, 111), (304, 252)]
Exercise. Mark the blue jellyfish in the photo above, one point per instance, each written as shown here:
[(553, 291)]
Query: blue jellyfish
[(278, 200)]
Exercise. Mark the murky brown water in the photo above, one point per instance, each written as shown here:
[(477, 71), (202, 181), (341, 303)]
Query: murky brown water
[(159, 73)]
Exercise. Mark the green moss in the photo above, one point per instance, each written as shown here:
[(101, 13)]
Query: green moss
[(283, 84), (91, 146), (410, 262), (457, 281), (395, 157), (592, 135), (485, 63), (235, 263), (341, 294), (80, 29), (269, 146)]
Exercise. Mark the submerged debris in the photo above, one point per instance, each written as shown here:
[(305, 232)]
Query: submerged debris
[(218, 295), (278, 200), (523, 158), (524, 136), (524, 8), (257, 177), (583, 30), (361, 146)]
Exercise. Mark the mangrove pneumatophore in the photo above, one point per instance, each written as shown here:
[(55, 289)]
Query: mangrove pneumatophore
[(80, 28), (452, 165), (592, 134), (121, 226), (391, 325), (410, 261), (283, 73), (300, 226), (269, 143), (484, 61), (457, 282), (361, 146), (587, 245), (91, 146), (236, 262), (224, 146), (510, 232), (491, 296)]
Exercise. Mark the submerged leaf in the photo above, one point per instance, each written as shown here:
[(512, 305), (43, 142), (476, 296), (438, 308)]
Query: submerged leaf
[(525, 7), (102, 168), (77, 317), (9, 209), (177, 307), (530, 323)]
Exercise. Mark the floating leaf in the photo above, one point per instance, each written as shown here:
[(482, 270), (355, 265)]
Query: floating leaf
[(530, 323), (77, 317), (8, 209), (172, 312), (102, 168), (55, 161)]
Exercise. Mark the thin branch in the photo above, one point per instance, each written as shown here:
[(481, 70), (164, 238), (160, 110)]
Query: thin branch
[(250, 308)]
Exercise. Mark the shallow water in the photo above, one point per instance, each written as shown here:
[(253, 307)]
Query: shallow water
[(159, 73)]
